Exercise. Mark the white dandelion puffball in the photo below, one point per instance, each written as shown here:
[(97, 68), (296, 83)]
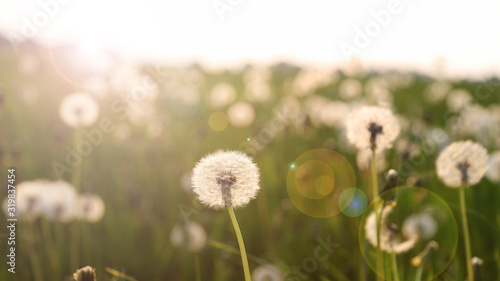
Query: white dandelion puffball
[(372, 126), (493, 173), (90, 208), (267, 272), (221, 95), (458, 99), (333, 114), (463, 163), (29, 199), (60, 201), (350, 88), (79, 110), (191, 234), (241, 114), (422, 224), (226, 179), (390, 238), (257, 91)]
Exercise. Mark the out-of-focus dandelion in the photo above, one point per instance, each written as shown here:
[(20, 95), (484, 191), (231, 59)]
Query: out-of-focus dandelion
[(350, 89), (257, 91), (460, 165), (333, 114), (391, 240), (91, 208), (60, 201), (493, 172), (222, 95), (241, 114), (372, 127), (85, 274), (227, 179), (458, 99), (30, 197), (437, 91), (79, 110), (422, 224), (267, 272), (189, 234)]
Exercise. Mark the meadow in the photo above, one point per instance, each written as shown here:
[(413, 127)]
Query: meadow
[(156, 121)]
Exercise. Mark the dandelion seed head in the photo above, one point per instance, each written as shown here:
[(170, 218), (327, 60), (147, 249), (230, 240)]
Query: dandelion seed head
[(60, 201), (370, 126), (241, 114), (493, 172), (257, 91), (190, 234), (423, 225), (29, 199), (79, 110), (213, 173), (391, 239), (222, 95), (267, 272), (350, 88), (458, 99), (462, 163), (333, 114), (90, 208)]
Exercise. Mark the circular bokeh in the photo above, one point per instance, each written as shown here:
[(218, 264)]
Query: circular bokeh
[(353, 202), (412, 219), (316, 180)]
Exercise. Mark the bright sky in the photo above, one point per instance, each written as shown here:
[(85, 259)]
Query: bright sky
[(465, 33)]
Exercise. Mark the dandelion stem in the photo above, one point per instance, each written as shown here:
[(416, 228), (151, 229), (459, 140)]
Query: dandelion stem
[(377, 215), (418, 274), (75, 180), (243, 252), (197, 267), (465, 226), (394, 267)]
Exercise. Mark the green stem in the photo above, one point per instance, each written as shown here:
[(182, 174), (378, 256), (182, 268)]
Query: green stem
[(418, 274), (465, 226), (197, 267), (75, 180), (35, 261), (243, 252), (50, 247), (380, 265), (394, 267)]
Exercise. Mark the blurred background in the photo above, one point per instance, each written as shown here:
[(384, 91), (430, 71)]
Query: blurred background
[(176, 80)]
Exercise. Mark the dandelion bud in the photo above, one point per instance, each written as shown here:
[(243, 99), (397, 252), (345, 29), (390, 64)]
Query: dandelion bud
[(425, 254), (79, 110), (226, 179), (392, 179), (372, 127), (476, 266), (85, 274), (462, 163)]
